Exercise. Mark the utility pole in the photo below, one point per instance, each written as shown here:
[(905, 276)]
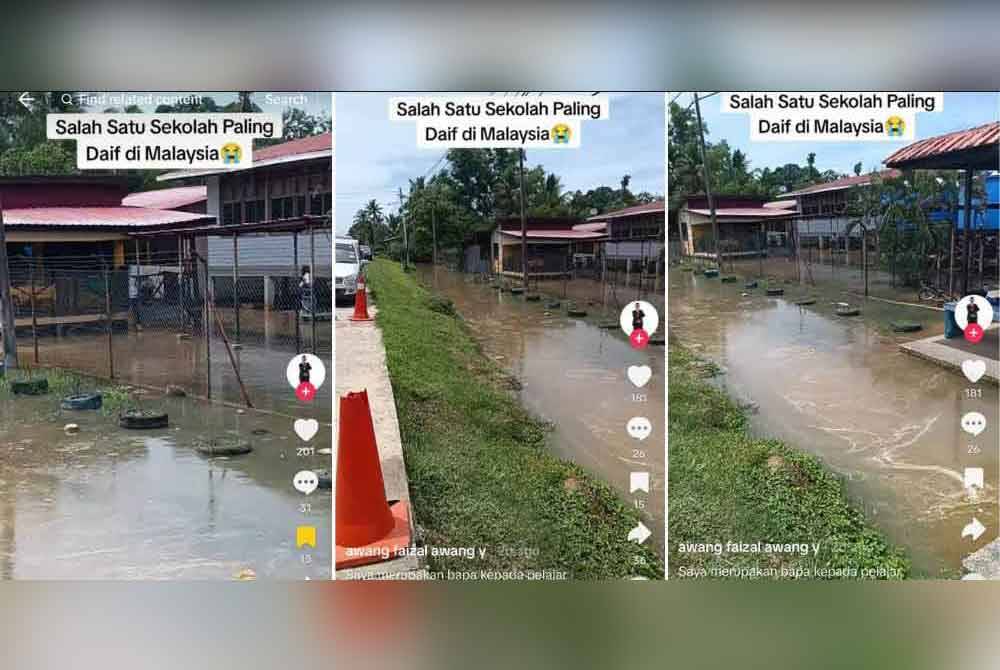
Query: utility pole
[(524, 227), (708, 186), (434, 230), (6, 302), (406, 244)]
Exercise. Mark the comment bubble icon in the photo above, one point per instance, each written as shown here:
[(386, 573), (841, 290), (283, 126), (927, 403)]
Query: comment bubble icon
[(639, 427), (973, 423), (305, 481)]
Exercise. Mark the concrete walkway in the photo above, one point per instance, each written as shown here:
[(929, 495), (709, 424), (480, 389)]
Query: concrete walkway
[(952, 353), (360, 361)]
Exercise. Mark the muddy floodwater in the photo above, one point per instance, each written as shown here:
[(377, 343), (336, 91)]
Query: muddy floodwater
[(109, 503), (840, 388), (573, 375)]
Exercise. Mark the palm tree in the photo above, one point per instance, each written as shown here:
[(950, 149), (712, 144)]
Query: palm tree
[(374, 216)]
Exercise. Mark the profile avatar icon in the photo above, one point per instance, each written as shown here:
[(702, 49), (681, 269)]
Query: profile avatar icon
[(232, 153), (305, 374), (561, 133), (639, 320), (894, 126), (637, 316)]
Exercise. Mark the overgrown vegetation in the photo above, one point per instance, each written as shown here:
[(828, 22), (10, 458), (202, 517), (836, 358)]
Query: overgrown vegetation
[(727, 486), (480, 474), (64, 383)]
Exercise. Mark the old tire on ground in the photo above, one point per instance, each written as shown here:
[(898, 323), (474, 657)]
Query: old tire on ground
[(576, 312), (776, 291), (848, 311), (142, 419), (83, 401), (729, 279), (711, 273), (517, 290), (805, 301), (750, 284), (905, 326), (223, 446), (30, 387), (534, 297)]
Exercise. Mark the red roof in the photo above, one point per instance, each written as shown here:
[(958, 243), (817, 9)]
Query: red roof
[(657, 206), (844, 182), (595, 227), (949, 143), (557, 234), (96, 217), (305, 145), (744, 212), (167, 198)]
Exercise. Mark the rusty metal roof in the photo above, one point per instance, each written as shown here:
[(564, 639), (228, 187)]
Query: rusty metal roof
[(98, 217), (956, 149), (843, 183), (167, 198), (657, 206)]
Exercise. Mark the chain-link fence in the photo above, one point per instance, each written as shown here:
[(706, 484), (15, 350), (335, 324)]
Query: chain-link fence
[(142, 318)]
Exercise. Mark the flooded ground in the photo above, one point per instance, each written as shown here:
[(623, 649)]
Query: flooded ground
[(572, 374), (108, 503), (839, 388)]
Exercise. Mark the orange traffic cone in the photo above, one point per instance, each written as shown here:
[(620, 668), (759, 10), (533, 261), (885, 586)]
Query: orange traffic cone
[(369, 528), (361, 302)]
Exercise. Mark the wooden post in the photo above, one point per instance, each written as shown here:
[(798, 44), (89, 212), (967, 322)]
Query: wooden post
[(108, 325), (34, 314), (236, 283), (295, 262), (206, 298), (967, 231), (524, 227), (7, 322), (312, 285)]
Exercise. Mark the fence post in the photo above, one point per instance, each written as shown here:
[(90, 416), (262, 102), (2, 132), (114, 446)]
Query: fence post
[(236, 282), (312, 285), (34, 313), (295, 263), (108, 325), (207, 326)]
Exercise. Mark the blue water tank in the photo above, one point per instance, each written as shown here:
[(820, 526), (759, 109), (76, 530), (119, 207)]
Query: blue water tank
[(988, 219)]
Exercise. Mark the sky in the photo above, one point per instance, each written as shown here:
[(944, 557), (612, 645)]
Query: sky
[(960, 111), (375, 157)]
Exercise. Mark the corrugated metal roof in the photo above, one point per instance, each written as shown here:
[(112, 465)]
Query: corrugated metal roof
[(304, 145), (657, 206), (167, 198), (960, 140), (844, 182), (779, 204), (745, 212), (96, 217), (557, 234), (595, 227)]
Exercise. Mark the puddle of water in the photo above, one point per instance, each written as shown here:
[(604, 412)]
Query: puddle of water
[(840, 388), (108, 503), (572, 374)]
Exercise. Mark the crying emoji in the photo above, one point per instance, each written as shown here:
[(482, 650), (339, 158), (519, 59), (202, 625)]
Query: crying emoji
[(894, 126), (231, 153), (561, 133)]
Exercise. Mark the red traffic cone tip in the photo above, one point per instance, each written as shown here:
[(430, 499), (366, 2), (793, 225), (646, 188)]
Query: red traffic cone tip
[(360, 303)]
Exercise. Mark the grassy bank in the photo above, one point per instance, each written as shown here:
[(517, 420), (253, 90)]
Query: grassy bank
[(726, 485), (480, 474), (64, 383)]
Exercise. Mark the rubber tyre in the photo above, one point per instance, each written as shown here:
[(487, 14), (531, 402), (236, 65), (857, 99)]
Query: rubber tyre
[(83, 401), (30, 387), (223, 446), (147, 420)]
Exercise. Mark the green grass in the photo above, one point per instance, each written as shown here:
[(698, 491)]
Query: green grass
[(480, 473), (64, 382), (726, 485)]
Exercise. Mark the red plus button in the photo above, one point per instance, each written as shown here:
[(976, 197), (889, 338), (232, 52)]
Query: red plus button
[(305, 392), (974, 333), (639, 338)]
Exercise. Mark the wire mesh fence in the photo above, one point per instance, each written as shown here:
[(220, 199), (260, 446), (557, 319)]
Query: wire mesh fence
[(173, 318)]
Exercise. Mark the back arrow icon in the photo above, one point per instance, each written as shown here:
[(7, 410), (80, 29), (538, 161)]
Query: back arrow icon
[(26, 100), (974, 530)]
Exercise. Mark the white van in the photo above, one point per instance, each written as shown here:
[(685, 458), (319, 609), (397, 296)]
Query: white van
[(347, 267)]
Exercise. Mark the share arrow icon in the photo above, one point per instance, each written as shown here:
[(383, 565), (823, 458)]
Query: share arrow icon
[(639, 534), (974, 530)]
